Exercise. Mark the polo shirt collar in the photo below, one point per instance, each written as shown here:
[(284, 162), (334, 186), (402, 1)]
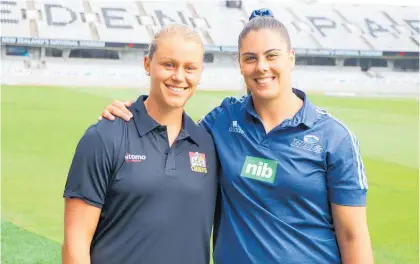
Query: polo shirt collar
[(144, 123), (306, 115), (191, 129)]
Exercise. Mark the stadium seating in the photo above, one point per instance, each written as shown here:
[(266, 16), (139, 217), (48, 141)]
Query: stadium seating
[(310, 26), (299, 38), (351, 81), (12, 25), (377, 27), (62, 21), (333, 27), (76, 73), (126, 29), (224, 24), (163, 13), (329, 33)]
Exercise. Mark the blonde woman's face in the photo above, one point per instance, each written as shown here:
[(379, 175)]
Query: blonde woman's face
[(175, 70)]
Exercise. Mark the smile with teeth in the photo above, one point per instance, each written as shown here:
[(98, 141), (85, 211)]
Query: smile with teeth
[(264, 80), (176, 89)]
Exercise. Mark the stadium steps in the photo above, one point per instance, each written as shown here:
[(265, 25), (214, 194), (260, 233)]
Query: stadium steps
[(204, 34), (245, 14), (93, 30), (415, 40), (151, 30), (373, 74), (30, 9), (349, 22), (140, 7), (141, 14), (33, 28), (297, 18)]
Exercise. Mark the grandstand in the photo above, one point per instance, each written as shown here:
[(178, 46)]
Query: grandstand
[(345, 49)]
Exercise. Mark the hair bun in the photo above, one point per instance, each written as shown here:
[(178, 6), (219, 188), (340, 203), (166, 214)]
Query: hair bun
[(263, 12)]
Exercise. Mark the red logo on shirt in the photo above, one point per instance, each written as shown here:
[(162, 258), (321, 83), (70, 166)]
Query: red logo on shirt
[(198, 162)]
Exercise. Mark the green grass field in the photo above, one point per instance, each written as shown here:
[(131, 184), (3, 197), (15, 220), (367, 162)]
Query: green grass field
[(42, 125)]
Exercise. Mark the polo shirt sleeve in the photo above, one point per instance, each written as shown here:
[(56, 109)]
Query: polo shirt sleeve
[(209, 120), (90, 169), (217, 216), (346, 179)]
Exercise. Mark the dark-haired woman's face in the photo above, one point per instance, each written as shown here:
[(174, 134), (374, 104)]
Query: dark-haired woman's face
[(266, 63)]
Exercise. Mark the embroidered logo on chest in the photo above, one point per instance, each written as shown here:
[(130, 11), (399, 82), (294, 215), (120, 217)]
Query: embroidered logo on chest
[(259, 169), (308, 143), (198, 162), (235, 128)]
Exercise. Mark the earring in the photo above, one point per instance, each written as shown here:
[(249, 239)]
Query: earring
[(147, 73)]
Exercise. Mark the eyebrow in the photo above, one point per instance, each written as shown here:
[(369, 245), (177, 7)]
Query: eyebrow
[(253, 54), (166, 58)]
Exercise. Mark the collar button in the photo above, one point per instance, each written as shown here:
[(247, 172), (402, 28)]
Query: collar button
[(161, 129)]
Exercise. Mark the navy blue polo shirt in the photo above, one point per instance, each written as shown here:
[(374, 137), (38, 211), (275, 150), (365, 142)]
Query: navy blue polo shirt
[(277, 187), (157, 201)]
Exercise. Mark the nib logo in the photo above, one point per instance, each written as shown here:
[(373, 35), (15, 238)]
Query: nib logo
[(134, 158), (259, 169)]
